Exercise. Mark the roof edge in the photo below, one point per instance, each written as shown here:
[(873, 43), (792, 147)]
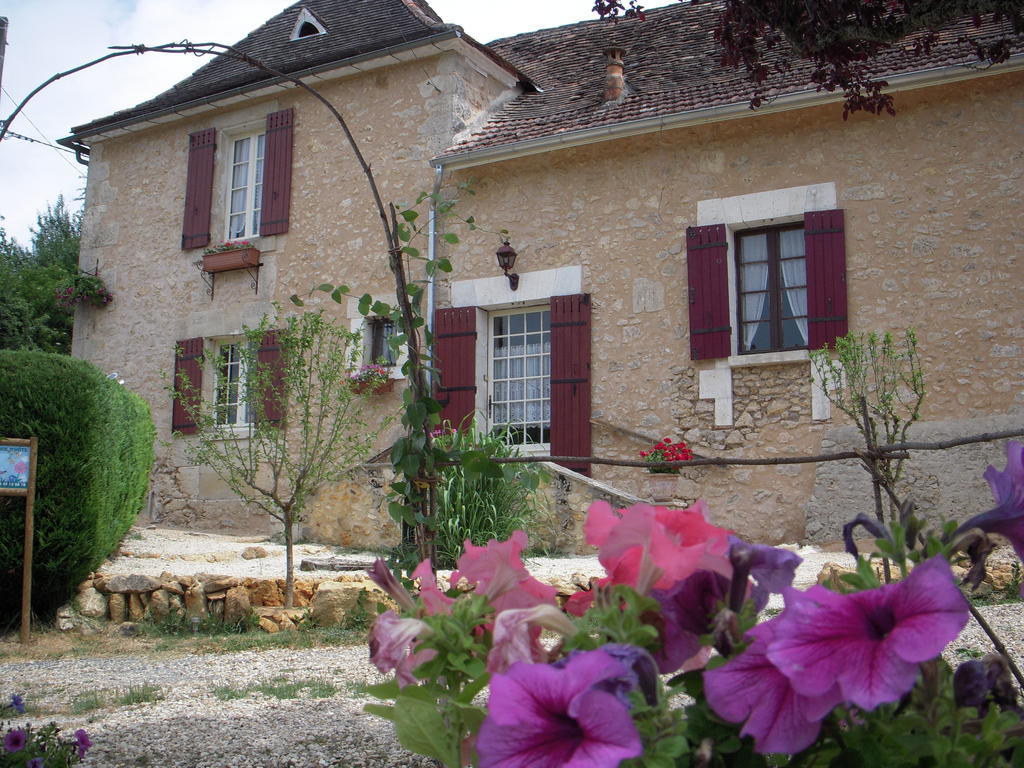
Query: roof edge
[(454, 161), (97, 127)]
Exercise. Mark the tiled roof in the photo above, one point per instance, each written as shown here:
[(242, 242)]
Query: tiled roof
[(672, 66), (354, 28)]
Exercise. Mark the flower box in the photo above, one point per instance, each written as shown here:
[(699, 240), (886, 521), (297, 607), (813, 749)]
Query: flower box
[(373, 387), (236, 258), (662, 486)]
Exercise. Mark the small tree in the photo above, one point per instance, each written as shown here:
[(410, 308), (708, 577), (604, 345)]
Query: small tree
[(304, 422)]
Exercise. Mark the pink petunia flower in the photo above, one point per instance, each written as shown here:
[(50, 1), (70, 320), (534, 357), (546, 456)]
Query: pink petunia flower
[(750, 689), (517, 635), (393, 646), (433, 598), (382, 576), (557, 717), (870, 642), (498, 572), (646, 546)]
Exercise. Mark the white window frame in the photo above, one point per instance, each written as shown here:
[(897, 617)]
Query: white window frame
[(243, 415), (489, 383), (253, 187), (490, 294)]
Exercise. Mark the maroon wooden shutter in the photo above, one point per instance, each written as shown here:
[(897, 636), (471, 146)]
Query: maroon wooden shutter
[(707, 272), (826, 277), (195, 231), (455, 359), (188, 384), (277, 173), (570, 378), (270, 362)]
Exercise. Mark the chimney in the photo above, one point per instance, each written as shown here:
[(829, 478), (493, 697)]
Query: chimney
[(614, 80)]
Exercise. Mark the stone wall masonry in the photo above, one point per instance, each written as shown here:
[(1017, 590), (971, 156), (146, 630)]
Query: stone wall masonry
[(933, 243), (945, 485)]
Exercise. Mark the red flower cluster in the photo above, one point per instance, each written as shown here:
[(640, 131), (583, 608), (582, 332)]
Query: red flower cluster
[(666, 450)]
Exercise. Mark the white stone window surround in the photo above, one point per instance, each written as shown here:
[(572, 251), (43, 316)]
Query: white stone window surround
[(758, 209), (358, 324), (493, 293), (243, 122), (305, 17), (250, 187)]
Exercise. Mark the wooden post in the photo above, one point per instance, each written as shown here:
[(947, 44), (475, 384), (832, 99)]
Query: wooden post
[(26, 568)]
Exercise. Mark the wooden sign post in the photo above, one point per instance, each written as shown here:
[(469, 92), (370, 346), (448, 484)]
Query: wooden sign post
[(18, 478)]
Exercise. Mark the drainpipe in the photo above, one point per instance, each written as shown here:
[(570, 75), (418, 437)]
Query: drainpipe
[(431, 251)]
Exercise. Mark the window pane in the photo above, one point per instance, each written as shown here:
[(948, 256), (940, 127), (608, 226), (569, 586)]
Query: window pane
[(753, 248), (533, 321), (533, 344), (500, 326), (500, 414), (794, 302), (534, 435), (515, 389), (241, 153), (516, 345), (755, 306), (500, 369), (533, 410), (239, 176), (534, 390), (791, 243), (754, 277), (793, 334), (756, 337), (793, 272), (501, 390), (515, 368), (500, 347), (545, 320), (533, 366), (236, 226), (515, 323), (515, 412), (238, 201)]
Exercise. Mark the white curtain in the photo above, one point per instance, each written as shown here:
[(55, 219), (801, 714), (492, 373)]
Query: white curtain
[(794, 273), (755, 278)]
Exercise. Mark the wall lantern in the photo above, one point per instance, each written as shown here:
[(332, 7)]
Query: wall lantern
[(506, 260)]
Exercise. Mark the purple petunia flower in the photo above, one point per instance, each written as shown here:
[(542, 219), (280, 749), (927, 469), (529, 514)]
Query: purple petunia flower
[(1007, 519), (687, 610), (35, 762), (14, 741), (750, 688), (83, 742), (547, 717), (772, 569), (870, 642), (18, 704)]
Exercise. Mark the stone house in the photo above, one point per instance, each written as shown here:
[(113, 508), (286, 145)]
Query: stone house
[(678, 253)]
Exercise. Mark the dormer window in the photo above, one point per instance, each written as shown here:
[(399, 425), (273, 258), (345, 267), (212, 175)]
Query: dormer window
[(307, 25)]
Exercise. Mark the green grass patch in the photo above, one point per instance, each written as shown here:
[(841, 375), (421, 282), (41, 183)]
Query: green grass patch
[(280, 688), (87, 702), (139, 694)]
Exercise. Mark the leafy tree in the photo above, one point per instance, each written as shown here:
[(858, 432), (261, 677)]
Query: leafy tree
[(30, 317), (841, 38), (306, 423)]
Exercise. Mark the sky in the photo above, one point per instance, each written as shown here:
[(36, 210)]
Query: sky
[(49, 36)]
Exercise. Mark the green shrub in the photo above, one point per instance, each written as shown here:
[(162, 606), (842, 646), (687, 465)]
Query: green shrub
[(479, 508), (95, 453)]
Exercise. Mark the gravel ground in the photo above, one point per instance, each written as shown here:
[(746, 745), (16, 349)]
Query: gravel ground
[(191, 728)]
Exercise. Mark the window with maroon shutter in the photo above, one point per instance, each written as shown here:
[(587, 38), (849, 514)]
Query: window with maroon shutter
[(455, 360), (826, 277), (195, 232), (707, 272), (570, 378), (271, 366), (188, 384), (277, 173)]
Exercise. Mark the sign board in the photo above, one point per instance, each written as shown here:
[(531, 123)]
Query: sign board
[(15, 461), (18, 478)]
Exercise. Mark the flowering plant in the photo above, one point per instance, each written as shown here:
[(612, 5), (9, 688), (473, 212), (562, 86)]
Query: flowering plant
[(38, 747), (839, 678), (370, 376), (83, 289), (666, 450), (230, 245)]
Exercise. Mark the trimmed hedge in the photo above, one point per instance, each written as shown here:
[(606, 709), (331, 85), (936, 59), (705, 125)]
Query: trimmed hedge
[(95, 454)]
